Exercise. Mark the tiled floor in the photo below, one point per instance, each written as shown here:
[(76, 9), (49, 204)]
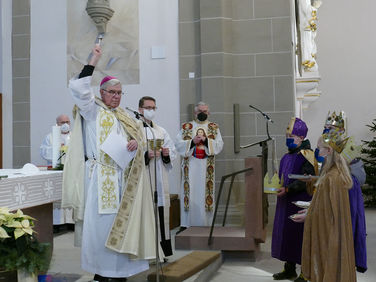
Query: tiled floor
[(65, 266)]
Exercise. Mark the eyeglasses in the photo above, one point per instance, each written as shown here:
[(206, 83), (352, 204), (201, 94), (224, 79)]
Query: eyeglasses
[(113, 93), (150, 108)]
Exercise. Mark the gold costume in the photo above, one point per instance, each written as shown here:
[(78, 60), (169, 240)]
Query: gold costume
[(328, 250)]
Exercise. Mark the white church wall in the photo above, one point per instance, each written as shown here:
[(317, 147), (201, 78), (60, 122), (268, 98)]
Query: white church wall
[(346, 60), (158, 77), (48, 91), (6, 79)]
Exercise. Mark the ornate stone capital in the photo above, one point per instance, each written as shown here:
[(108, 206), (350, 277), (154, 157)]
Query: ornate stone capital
[(100, 12)]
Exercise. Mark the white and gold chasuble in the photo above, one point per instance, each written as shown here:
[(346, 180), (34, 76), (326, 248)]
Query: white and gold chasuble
[(114, 244), (198, 175), (108, 195), (134, 221)]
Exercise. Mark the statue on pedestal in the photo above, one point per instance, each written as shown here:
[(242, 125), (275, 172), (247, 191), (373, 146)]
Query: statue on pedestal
[(306, 25)]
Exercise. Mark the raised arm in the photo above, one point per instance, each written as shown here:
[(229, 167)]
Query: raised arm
[(89, 68), (80, 88)]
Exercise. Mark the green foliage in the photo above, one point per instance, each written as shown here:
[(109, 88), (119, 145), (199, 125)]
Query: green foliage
[(24, 253), (369, 152), (19, 248), (59, 167)]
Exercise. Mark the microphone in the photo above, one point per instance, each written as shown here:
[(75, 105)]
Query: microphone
[(265, 115), (137, 114)]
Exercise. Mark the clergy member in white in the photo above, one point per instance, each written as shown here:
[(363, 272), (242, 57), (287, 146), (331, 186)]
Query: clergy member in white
[(60, 216), (113, 202), (198, 142), (45, 148), (165, 155)]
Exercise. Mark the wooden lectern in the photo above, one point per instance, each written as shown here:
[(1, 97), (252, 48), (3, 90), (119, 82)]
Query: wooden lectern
[(225, 238)]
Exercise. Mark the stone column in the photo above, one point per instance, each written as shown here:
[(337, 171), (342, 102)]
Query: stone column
[(21, 82), (240, 52)]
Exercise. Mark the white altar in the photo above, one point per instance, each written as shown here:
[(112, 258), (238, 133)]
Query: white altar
[(21, 190), (34, 193)]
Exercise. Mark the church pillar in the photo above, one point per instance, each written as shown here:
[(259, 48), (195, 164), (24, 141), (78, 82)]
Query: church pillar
[(240, 52), (21, 81)]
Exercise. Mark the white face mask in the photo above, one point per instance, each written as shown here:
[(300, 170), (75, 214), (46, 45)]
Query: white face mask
[(65, 128), (149, 114)]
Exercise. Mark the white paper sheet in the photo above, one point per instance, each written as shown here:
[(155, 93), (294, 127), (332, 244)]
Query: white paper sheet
[(115, 146), (56, 144), (301, 176), (302, 204)]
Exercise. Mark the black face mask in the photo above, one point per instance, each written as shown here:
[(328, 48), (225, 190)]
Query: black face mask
[(202, 116)]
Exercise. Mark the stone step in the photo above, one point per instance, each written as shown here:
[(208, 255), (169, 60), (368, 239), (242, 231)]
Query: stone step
[(224, 238), (189, 266)]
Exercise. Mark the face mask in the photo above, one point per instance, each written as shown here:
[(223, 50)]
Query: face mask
[(290, 143), (149, 114), (202, 116), (65, 128), (319, 159)]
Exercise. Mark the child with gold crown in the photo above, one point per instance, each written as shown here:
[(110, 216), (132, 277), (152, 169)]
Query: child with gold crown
[(328, 248), (351, 153)]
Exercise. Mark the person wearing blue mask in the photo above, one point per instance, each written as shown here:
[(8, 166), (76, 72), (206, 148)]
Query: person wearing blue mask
[(288, 236), (328, 247), (336, 122)]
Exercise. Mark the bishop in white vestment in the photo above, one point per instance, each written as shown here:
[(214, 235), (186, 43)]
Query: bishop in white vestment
[(109, 196), (198, 142)]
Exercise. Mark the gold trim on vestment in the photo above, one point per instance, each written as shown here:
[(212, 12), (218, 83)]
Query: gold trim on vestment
[(209, 189), (210, 166), (107, 176), (118, 233)]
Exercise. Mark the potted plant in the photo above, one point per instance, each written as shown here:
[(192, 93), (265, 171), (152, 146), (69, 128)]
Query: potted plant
[(20, 250)]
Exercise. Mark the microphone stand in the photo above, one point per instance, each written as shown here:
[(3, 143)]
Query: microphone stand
[(155, 194), (157, 263), (262, 142), (264, 153)]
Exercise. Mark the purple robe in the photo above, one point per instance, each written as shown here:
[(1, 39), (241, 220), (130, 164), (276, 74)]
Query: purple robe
[(358, 224), (287, 236)]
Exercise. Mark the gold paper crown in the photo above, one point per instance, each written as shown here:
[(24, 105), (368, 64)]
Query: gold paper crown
[(335, 139), (351, 150), (290, 127), (272, 186), (336, 120)]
